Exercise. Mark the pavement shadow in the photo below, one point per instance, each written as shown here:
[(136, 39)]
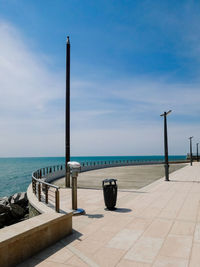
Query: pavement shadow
[(51, 250), (94, 216), (120, 210)]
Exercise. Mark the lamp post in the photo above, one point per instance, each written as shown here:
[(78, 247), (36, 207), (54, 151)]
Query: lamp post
[(67, 115), (166, 145), (190, 138), (197, 152)]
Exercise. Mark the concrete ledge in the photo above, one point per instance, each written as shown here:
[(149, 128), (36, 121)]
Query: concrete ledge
[(22, 240)]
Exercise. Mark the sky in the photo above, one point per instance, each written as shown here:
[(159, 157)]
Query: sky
[(130, 62)]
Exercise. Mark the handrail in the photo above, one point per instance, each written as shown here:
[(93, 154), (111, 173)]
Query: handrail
[(37, 190), (48, 172), (42, 182)]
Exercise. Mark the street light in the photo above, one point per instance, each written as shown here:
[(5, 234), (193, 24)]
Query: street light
[(191, 149), (166, 145), (197, 152), (67, 115)]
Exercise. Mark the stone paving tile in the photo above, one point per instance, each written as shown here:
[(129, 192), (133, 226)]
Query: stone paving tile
[(173, 207), (163, 261), (124, 239), (76, 262), (177, 246), (183, 228), (190, 208), (195, 256), (107, 257), (89, 246), (145, 250), (60, 256), (139, 223), (198, 214), (149, 212), (127, 263), (159, 228), (102, 236), (197, 233)]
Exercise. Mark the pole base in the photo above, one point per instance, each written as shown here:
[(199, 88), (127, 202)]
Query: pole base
[(78, 212)]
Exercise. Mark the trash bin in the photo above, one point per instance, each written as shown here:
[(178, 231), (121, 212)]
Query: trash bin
[(110, 193)]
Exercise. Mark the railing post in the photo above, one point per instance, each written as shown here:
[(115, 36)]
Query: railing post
[(33, 185), (46, 193), (39, 192), (57, 200)]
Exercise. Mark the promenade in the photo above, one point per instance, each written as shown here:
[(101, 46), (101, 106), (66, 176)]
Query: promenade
[(157, 225)]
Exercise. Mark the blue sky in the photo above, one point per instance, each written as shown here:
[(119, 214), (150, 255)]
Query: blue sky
[(130, 61)]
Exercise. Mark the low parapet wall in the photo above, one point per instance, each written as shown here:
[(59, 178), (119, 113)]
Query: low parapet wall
[(22, 240)]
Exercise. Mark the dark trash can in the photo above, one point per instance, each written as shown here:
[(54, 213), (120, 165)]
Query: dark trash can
[(110, 193)]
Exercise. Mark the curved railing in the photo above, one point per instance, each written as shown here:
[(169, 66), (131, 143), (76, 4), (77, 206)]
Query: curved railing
[(43, 190), (42, 178)]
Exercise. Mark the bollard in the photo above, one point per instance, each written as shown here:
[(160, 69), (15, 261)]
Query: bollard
[(74, 168), (74, 191)]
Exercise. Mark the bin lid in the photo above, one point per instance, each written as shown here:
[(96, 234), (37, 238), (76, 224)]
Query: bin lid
[(109, 180)]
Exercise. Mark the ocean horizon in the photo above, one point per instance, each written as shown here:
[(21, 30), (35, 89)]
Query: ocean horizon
[(15, 172)]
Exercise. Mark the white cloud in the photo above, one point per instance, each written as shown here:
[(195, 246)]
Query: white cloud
[(26, 83), (28, 90)]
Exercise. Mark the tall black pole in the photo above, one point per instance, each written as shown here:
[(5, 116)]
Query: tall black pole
[(191, 149), (166, 148), (67, 113), (197, 152), (166, 145)]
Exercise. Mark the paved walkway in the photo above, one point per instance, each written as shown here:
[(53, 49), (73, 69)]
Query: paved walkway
[(132, 177), (158, 225)]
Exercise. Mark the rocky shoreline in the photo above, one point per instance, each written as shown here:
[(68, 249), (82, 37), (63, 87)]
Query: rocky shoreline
[(13, 209)]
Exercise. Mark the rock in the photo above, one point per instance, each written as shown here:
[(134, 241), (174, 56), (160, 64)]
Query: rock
[(17, 211), (2, 218), (4, 208), (4, 200), (19, 199), (15, 198), (13, 209)]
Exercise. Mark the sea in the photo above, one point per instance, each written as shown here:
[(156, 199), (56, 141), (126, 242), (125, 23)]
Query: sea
[(15, 173)]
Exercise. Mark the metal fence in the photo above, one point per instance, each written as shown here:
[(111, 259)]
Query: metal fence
[(45, 191), (42, 178)]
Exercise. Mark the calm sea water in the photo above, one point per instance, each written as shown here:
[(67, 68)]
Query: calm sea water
[(15, 173)]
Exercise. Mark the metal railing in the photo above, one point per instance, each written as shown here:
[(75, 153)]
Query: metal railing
[(44, 191), (118, 162)]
